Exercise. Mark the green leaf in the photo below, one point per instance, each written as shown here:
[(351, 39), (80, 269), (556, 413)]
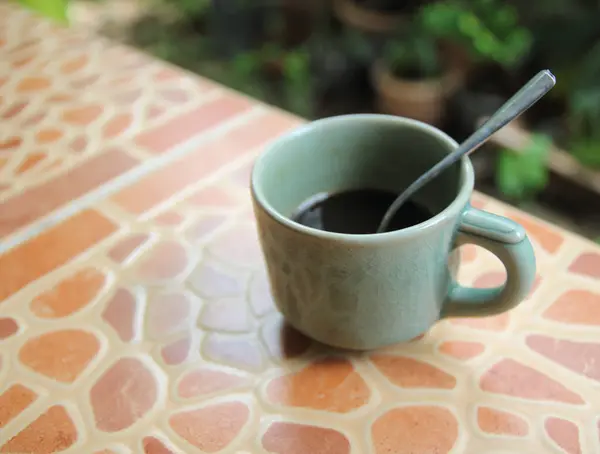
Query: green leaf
[(54, 9)]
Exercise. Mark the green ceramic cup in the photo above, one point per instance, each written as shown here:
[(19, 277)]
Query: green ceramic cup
[(367, 291)]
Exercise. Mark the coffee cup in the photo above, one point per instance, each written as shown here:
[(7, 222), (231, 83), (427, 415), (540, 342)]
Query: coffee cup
[(367, 291)]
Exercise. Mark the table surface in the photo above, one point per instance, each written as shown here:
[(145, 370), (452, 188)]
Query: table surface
[(134, 310)]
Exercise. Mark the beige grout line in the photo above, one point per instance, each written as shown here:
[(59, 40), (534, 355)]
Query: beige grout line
[(88, 200)]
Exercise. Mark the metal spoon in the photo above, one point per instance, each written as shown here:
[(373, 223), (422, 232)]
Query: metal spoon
[(526, 97)]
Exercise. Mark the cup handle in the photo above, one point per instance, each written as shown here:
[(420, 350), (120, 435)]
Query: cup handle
[(508, 241)]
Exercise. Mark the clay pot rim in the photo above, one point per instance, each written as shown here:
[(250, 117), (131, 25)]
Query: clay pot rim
[(386, 82), (351, 13)]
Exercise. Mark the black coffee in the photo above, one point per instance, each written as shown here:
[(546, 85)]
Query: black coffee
[(357, 212)]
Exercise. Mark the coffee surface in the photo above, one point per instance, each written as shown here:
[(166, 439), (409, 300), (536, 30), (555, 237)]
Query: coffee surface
[(357, 211)]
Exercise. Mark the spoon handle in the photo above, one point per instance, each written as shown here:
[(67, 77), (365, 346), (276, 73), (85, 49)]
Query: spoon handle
[(527, 96)]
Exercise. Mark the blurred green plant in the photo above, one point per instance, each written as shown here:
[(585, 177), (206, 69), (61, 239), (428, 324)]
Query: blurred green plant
[(54, 9), (488, 30), (414, 56), (522, 174)]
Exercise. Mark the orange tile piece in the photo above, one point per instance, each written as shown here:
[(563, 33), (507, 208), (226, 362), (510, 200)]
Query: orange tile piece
[(294, 438), (205, 226), (32, 204), (70, 295), (177, 351), (580, 307), (29, 261), (82, 116), (498, 422), (411, 373), (14, 110), (123, 394), (579, 357), (212, 196), (211, 429), (60, 355), (169, 218), (8, 327), (33, 84), (463, 350), (53, 431), (74, 65), (31, 161), (155, 446), (190, 124), (330, 384), (11, 143), (117, 126), (120, 313), (415, 429), (549, 239), (511, 378), (164, 261), (204, 381), (587, 264), (468, 253), (13, 401), (564, 433), (48, 136), (124, 248)]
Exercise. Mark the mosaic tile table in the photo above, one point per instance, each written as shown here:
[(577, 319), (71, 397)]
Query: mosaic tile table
[(135, 315)]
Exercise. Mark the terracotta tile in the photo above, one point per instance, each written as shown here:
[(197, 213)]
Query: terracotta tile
[(411, 373), (579, 357), (30, 162), (79, 144), (234, 351), (14, 110), (74, 65), (578, 307), (47, 136), (172, 178), (60, 355), (564, 433), (70, 295), (30, 84), (168, 313), (8, 327), (587, 264), (53, 431), (204, 381), (212, 197), (205, 226), (177, 351), (329, 385), (549, 239), (211, 429), (190, 124), (13, 401), (511, 378), (163, 262), (117, 126), (462, 350), (294, 438), (228, 315), (11, 143), (82, 116), (32, 204), (468, 253), (174, 95), (414, 429), (123, 394), (124, 248), (210, 282), (153, 445), (169, 218), (51, 249), (499, 422), (120, 314)]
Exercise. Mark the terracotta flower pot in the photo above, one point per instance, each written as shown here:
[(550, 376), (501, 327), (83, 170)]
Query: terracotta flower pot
[(367, 20), (422, 100)]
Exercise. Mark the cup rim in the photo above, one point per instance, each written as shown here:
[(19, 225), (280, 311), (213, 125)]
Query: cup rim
[(466, 179)]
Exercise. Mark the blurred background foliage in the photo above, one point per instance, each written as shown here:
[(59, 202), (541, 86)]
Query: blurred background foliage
[(446, 62)]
